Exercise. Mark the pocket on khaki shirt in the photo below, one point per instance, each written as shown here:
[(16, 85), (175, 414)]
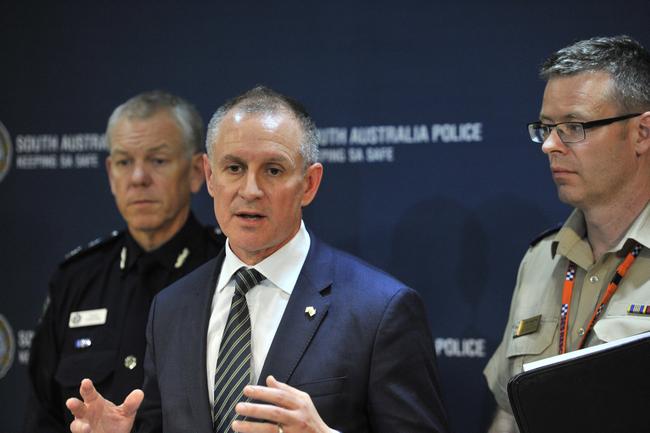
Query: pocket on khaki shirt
[(618, 323), (534, 343)]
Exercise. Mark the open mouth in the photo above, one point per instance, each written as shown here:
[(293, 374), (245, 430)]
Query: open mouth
[(250, 216)]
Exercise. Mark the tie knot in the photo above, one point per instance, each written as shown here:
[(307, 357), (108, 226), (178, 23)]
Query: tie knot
[(247, 278)]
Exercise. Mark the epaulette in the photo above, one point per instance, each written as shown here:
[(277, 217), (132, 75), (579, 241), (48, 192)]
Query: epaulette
[(546, 233), (81, 250)]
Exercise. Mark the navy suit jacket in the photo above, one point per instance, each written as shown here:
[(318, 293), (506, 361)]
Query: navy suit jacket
[(366, 357)]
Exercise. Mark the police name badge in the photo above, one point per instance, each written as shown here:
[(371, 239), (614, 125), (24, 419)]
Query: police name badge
[(527, 326), (79, 319)]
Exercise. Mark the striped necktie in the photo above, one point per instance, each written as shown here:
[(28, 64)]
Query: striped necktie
[(233, 371)]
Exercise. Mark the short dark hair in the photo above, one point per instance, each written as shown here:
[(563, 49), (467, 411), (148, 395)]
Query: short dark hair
[(623, 58), (261, 99), (147, 104)]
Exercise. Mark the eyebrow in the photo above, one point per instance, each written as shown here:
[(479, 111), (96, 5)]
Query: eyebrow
[(231, 158), (278, 159), (160, 147), (571, 117)]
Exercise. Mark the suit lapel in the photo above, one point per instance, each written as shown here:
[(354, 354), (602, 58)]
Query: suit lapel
[(297, 326), (197, 312)]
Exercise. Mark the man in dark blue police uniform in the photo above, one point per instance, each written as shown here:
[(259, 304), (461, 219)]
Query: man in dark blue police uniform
[(99, 297)]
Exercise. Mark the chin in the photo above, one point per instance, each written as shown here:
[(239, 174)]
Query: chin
[(145, 224), (250, 245), (568, 197), (253, 247)]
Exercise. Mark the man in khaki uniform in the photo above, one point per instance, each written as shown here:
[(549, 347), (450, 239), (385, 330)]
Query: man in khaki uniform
[(594, 126)]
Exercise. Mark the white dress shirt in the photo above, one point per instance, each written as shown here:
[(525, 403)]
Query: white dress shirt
[(266, 301)]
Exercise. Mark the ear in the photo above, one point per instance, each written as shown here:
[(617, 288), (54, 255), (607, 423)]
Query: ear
[(207, 169), (109, 164), (313, 176), (196, 172), (642, 144)]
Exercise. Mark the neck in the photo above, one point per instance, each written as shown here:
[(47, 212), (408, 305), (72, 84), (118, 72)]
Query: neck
[(607, 224), (251, 257), (150, 240)]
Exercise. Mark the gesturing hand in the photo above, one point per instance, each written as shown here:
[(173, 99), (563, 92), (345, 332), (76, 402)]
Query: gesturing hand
[(95, 414), (289, 410)]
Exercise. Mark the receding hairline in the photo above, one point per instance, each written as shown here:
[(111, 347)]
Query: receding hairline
[(144, 117), (263, 100), (165, 142), (235, 110), (146, 105), (625, 60), (607, 95)]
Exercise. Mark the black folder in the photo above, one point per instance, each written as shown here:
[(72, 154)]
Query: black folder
[(606, 391)]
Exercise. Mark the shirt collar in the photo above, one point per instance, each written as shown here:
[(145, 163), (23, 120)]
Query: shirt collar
[(281, 268), (571, 241), (639, 230)]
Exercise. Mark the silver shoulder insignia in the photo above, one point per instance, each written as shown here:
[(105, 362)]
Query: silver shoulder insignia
[(123, 258), (181, 258)]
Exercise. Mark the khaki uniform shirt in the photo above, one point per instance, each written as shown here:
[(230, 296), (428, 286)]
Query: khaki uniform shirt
[(539, 291)]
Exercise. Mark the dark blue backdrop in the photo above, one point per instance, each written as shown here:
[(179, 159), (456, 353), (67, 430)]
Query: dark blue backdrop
[(450, 216)]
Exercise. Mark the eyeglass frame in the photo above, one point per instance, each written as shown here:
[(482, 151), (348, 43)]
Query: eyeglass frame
[(583, 125)]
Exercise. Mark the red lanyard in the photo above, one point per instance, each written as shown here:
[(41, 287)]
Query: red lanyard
[(567, 291)]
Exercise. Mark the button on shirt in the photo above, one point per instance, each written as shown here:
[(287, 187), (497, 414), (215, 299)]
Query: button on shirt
[(266, 301), (116, 275)]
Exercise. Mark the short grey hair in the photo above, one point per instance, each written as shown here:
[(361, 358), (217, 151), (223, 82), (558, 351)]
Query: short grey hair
[(262, 100), (623, 58), (145, 105)]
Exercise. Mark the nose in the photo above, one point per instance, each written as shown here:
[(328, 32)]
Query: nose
[(554, 143), (250, 189), (140, 175)]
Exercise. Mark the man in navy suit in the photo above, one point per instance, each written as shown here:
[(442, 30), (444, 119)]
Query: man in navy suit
[(331, 343)]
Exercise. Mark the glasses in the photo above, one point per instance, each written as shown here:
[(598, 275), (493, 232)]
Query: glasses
[(570, 132)]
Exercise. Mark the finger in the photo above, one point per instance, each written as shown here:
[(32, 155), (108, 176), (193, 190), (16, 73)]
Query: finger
[(78, 426), (269, 395), (292, 397), (274, 383), (263, 412), (76, 406), (88, 391), (132, 402), (254, 427)]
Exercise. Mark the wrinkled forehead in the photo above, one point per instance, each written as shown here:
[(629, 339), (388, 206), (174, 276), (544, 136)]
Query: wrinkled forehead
[(152, 133)]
